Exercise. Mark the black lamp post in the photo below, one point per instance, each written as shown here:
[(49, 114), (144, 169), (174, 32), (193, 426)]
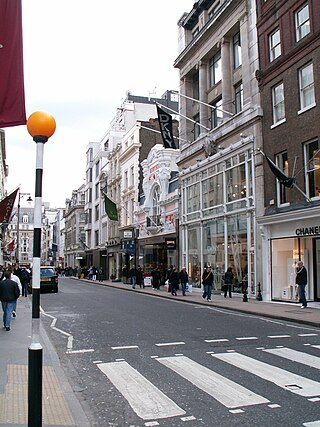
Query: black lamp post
[(41, 127)]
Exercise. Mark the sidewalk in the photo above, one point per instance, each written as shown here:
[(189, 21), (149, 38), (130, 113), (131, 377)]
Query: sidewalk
[(60, 405)]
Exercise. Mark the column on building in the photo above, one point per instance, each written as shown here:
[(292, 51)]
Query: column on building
[(203, 109), (226, 76), (246, 75), (183, 109)]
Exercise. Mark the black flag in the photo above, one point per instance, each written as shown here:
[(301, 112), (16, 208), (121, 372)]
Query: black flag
[(283, 178), (165, 123)]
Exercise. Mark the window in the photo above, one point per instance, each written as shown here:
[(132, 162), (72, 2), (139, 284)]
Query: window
[(132, 176), (96, 238), (302, 22), (216, 113), (306, 87), (278, 104), (96, 210), (215, 70), (195, 86), (312, 168), (97, 169), (237, 58), (125, 180), (196, 127), (97, 190), (238, 97), (274, 45), (283, 164)]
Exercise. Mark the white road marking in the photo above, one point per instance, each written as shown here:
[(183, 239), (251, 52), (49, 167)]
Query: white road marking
[(191, 418), (147, 401), (315, 346), (218, 340), (151, 424), (279, 336), (225, 391), (312, 424), (124, 347), (97, 361), (284, 379), (296, 356), (314, 399), (246, 338), (236, 411), (164, 344), (274, 405), (89, 350), (307, 335)]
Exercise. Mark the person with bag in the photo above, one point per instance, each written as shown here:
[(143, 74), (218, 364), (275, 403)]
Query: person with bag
[(228, 279), (207, 282), (184, 279)]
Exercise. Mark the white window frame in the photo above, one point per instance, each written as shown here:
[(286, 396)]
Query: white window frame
[(282, 191), (306, 88), (274, 45), (302, 25), (311, 168), (276, 102)]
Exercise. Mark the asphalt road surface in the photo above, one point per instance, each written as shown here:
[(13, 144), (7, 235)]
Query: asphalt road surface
[(140, 361)]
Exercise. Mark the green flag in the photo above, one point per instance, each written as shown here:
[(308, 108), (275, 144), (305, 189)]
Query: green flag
[(111, 208)]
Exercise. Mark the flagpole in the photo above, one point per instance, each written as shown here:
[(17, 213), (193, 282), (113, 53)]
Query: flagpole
[(157, 131), (185, 117), (201, 102)]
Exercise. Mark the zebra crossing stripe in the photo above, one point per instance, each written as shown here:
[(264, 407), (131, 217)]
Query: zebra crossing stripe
[(312, 424), (147, 401), (296, 356), (284, 379), (225, 391)]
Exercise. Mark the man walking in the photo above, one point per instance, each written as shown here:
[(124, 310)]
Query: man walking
[(207, 282), (184, 279), (9, 293), (301, 281)]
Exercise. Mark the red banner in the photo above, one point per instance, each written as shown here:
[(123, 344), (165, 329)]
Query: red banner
[(10, 247), (6, 206), (12, 101)]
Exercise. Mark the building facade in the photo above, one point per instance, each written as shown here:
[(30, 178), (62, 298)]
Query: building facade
[(114, 169), (289, 44), (221, 177), (75, 219)]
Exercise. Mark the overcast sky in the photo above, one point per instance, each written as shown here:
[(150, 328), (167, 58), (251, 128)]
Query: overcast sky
[(80, 58)]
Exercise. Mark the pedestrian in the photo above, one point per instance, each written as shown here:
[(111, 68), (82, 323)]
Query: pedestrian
[(184, 279), (17, 280), (156, 276), (207, 282), (94, 273), (133, 277), (228, 279), (169, 272), (301, 281), (174, 281), (25, 280), (9, 293), (140, 279), (100, 274)]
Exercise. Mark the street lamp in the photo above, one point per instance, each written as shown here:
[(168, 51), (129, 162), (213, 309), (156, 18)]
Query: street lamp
[(20, 195), (41, 127)]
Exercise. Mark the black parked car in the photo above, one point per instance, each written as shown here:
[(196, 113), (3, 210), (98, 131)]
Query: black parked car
[(48, 279)]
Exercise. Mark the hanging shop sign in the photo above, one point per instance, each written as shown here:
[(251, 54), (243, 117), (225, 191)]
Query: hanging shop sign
[(171, 244)]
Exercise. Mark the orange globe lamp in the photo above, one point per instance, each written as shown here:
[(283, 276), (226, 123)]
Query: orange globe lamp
[(41, 126)]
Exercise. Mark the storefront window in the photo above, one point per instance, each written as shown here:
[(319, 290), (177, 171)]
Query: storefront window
[(238, 247), (214, 250), (194, 264), (285, 254)]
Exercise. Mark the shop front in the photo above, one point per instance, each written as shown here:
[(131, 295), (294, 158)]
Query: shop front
[(288, 239)]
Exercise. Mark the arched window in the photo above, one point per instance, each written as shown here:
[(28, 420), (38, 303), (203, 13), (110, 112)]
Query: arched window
[(25, 219)]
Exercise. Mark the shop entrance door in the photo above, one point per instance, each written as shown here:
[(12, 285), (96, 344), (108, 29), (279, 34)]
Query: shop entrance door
[(316, 268)]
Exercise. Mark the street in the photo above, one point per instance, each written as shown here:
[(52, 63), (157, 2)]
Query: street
[(136, 360)]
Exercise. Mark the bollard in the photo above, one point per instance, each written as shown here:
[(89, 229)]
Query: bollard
[(259, 296)]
